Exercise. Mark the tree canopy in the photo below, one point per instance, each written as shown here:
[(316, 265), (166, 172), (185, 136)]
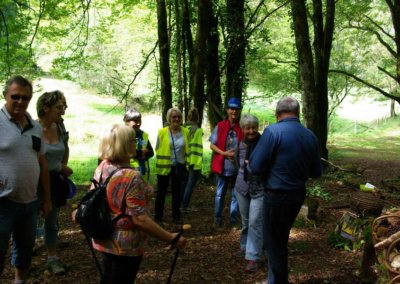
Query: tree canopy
[(185, 53)]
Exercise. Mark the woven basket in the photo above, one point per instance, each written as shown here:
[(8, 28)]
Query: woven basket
[(366, 203)]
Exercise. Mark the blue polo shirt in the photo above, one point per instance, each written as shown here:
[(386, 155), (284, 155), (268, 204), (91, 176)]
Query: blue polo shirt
[(286, 155)]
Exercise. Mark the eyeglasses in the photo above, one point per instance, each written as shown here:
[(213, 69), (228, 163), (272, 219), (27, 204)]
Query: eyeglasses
[(61, 107), (19, 97), (176, 117)]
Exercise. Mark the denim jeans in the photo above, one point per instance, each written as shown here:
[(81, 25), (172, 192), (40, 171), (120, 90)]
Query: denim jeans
[(280, 211), (192, 179), (251, 236), (51, 227), (20, 221), (222, 187)]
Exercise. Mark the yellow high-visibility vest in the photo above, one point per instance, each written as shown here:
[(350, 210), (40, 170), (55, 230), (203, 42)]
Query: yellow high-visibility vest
[(196, 148), (163, 150)]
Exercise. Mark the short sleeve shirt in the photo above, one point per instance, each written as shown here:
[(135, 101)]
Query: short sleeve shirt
[(127, 193), (19, 158), (230, 168)]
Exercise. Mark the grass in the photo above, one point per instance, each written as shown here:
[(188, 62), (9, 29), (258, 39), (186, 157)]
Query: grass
[(88, 114)]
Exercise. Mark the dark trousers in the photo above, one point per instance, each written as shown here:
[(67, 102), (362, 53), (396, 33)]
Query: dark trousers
[(280, 211), (162, 186), (120, 269)]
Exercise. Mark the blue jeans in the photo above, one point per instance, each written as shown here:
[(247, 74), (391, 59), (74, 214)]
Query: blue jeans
[(251, 236), (280, 211), (51, 227), (222, 187), (192, 179), (20, 221)]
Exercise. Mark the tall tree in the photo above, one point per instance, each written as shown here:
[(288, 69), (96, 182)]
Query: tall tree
[(213, 89), (165, 73), (235, 58), (204, 8), (314, 66)]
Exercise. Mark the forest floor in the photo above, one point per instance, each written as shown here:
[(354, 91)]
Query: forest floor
[(209, 256)]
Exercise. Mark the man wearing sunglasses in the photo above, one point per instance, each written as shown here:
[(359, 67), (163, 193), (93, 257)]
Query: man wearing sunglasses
[(22, 164)]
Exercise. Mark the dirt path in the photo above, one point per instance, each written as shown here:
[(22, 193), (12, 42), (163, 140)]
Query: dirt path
[(209, 256)]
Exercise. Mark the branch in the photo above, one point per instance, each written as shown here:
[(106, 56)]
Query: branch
[(378, 36), (379, 27), (388, 73), (397, 99), (264, 19), (41, 11), (338, 167), (7, 42), (138, 72)]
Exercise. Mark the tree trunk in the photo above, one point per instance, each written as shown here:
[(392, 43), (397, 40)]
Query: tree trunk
[(314, 78), (215, 107), (235, 61), (204, 7), (165, 73), (188, 40), (178, 50)]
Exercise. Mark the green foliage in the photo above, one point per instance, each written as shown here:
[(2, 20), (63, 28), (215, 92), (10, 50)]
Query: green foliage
[(318, 191)]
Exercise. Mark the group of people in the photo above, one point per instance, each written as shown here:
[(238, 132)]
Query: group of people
[(31, 151), (265, 175)]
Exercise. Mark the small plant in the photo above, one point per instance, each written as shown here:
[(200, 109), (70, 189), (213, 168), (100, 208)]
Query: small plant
[(317, 191)]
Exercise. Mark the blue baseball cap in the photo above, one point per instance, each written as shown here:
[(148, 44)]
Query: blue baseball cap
[(234, 103)]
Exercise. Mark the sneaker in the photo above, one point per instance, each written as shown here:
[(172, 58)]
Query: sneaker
[(55, 266), (251, 266)]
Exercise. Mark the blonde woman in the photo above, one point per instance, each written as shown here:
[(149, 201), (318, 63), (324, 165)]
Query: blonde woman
[(127, 193), (50, 108), (172, 151)]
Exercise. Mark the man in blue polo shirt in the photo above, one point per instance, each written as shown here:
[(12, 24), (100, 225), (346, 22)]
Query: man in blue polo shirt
[(22, 163), (285, 157)]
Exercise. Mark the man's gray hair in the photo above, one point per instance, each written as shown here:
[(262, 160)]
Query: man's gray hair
[(287, 104), (248, 120)]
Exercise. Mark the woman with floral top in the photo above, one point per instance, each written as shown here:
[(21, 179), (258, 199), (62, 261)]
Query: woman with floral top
[(129, 194)]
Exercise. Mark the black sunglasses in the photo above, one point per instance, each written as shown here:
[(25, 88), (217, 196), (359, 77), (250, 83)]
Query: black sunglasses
[(19, 97)]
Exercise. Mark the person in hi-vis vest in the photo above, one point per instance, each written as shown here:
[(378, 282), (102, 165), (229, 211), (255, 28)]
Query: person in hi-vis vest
[(144, 151), (172, 152), (195, 155)]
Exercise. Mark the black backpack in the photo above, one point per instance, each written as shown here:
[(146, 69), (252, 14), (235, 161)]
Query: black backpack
[(94, 214)]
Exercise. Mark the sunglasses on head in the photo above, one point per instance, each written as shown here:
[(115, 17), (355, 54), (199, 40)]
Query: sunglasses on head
[(19, 97)]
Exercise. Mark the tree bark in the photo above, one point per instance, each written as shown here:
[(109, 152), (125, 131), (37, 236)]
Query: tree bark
[(235, 67), (314, 71), (165, 73), (198, 95), (215, 107)]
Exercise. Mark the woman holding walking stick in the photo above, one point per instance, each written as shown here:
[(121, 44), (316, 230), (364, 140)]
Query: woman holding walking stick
[(129, 194)]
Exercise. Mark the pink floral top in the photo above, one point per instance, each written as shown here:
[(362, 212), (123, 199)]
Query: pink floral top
[(127, 193)]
